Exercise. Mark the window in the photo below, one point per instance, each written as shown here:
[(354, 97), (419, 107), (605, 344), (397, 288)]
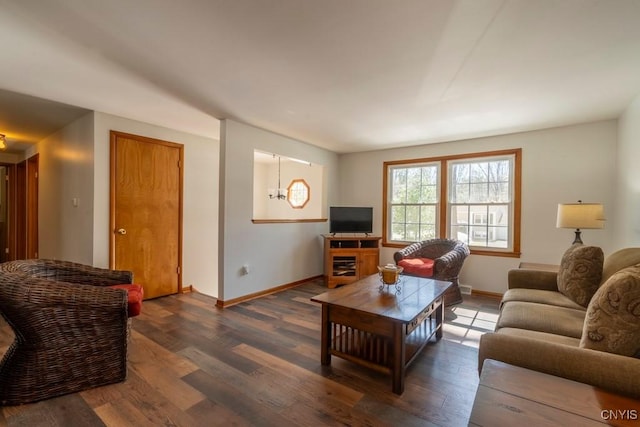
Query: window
[(474, 198), (298, 193), (480, 201), (414, 202)]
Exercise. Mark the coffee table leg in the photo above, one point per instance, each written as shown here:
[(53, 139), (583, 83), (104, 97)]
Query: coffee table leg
[(439, 319), (325, 354), (399, 354)]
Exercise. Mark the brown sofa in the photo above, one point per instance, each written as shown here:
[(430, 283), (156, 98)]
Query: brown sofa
[(580, 323)]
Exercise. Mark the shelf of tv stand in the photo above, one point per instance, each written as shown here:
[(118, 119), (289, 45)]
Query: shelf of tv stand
[(348, 259)]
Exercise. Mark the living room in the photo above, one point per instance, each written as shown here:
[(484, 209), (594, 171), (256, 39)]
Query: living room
[(566, 155)]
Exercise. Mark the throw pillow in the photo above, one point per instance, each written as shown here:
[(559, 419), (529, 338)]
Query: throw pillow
[(135, 295), (422, 267), (580, 273), (612, 323)]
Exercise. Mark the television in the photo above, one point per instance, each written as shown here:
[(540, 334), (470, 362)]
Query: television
[(350, 219)]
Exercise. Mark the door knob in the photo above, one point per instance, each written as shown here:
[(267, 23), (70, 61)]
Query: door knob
[(122, 231)]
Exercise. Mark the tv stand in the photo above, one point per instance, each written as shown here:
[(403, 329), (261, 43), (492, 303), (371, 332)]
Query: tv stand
[(347, 259)]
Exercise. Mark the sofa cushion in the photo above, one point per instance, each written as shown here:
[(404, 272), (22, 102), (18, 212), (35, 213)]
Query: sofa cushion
[(542, 318), (612, 323), (422, 267), (539, 296), (580, 273), (542, 336)]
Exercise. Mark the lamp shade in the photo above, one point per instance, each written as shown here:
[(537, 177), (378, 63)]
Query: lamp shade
[(580, 215)]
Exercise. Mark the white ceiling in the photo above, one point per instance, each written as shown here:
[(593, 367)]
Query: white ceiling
[(345, 75)]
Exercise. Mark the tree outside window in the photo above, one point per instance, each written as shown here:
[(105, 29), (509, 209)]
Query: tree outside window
[(414, 202)]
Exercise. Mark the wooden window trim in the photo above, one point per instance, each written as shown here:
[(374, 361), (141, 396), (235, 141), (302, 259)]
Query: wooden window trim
[(444, 220), (303, 182)]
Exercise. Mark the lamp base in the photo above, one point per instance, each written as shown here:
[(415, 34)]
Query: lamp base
[(577, 240)]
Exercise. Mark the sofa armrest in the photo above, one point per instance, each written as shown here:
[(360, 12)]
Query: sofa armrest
[(533, 279), (608, 371)]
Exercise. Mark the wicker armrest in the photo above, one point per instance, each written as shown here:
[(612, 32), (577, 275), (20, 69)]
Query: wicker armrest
[(65, 271), (69, 337)]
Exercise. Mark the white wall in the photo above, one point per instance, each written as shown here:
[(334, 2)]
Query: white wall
[(200, 209), (66, 173), (276, 254), (558, 165), (74, 164), (627, 218)]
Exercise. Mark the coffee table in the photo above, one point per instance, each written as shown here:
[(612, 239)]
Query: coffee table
[(379, 327)]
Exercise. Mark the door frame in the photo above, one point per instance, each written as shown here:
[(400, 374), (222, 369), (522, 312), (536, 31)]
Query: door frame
[(113, 135), (33, 169), (21, 187)]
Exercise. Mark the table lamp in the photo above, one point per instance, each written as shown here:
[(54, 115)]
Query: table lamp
[(579, 216)]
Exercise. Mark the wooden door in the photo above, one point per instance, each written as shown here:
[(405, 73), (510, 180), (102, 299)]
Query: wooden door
[(20, 211), (146, 211), (32, 206)]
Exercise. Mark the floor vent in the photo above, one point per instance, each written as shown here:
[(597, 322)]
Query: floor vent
[(465, 289)]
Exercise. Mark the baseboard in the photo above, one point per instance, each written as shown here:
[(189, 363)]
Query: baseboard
[(494, 295), (228, 303)]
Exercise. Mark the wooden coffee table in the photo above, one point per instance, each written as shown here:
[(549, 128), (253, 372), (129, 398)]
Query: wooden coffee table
[(380, 328)]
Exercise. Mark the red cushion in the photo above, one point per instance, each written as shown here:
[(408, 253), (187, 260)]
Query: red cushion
[(422, 267), (135, 294)]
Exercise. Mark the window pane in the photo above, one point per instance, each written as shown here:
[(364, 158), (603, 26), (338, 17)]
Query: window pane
[(398, 232), (428, 215), (427, 222), (479, 172), (478, 193), (460, 233), (459, 215), (412, 232), (499, 171), (487, 195), (414, 178), (460, 173), (414, 194), (499, 192), (460, 193), (398, 184)]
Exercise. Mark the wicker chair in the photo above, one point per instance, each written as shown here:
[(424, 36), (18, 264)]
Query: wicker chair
[(70, 329), (448, 256)]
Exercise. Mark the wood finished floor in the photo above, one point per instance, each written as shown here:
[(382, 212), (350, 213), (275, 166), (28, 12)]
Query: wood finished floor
[(258, 364)]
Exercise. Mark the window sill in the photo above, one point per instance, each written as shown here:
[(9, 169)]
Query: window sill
[(285, 221)]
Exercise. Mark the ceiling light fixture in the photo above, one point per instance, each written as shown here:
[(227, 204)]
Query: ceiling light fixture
[(3, 141), (279, 193)]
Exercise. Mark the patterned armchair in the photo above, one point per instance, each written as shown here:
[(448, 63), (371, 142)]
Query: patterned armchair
[(70, 328), (440, 259)]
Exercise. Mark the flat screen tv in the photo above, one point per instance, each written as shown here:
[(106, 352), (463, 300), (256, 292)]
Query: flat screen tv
[(349, 219)]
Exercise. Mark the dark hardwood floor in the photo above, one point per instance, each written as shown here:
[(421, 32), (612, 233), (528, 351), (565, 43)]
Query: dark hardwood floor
[(258, 364)]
